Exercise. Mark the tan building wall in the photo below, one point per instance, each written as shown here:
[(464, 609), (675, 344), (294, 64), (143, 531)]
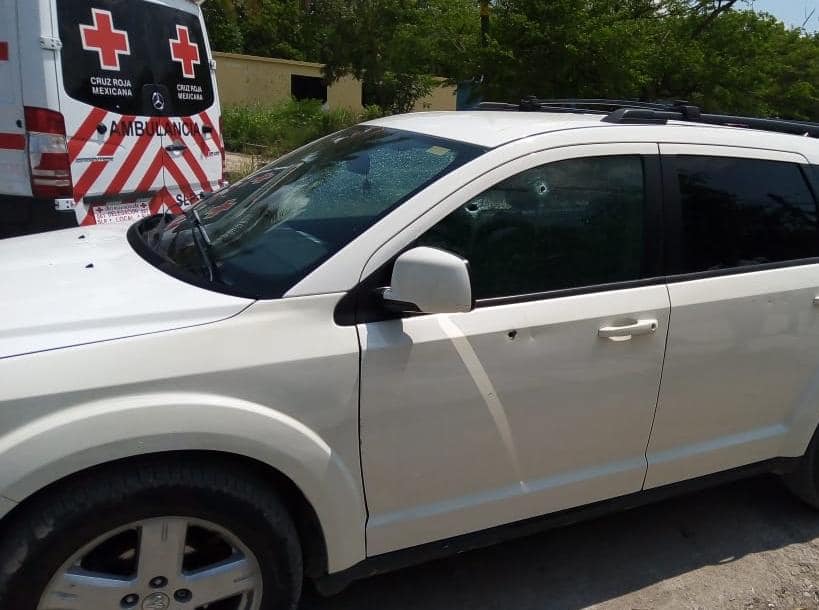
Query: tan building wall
[(246, 79), (442, 98)]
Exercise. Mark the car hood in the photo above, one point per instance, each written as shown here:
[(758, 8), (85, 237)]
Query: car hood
[(87, 284)]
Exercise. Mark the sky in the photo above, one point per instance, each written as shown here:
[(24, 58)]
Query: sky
[(792, 12)]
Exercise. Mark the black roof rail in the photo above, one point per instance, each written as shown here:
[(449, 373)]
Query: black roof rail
[(692, 114), (636, 112), (588, 105), (496, 106)]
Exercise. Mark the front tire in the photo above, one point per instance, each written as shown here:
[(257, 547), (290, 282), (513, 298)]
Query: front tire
[(153, 534)]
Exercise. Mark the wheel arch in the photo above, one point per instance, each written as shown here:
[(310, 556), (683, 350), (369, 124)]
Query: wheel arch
[(308, 526), (326, 493)]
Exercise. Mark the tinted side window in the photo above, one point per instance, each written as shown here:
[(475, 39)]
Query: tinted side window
[(739, 212), (573, 223)]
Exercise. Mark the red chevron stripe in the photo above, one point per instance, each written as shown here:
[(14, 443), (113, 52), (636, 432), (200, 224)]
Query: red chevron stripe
[(217, 137), (96, 168), (200, 174), (146, 183), (151, 174), (85, 131), (179, 178), (178, 175), (172, 203), (197, 136), (130, 164), (164, 197)]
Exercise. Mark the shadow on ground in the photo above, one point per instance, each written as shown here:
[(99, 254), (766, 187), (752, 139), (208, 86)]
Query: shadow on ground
[(602, 560)]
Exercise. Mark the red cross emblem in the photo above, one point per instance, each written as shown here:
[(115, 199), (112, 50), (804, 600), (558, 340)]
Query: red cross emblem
[(185, 52), (102, 37)]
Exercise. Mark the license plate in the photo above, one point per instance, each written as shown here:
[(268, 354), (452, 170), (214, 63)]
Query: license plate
[(121, 212)]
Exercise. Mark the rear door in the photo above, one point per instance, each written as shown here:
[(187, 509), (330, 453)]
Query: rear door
[(136, 124), (743, 346)]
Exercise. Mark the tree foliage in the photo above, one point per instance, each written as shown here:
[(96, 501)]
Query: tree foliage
[(223, 26), (716, 53)]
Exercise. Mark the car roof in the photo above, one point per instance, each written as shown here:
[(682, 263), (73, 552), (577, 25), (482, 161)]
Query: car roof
[(491, 129), (486, 128)]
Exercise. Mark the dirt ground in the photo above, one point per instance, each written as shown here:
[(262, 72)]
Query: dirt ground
[(743, 546)]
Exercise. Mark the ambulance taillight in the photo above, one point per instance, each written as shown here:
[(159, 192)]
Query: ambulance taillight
[(48, 154)]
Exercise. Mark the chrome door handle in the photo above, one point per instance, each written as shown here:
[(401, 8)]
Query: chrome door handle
[(816, 301), (640, 327)]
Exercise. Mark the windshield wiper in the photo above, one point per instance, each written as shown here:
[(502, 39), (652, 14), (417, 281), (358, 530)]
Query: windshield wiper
[(202, 241)]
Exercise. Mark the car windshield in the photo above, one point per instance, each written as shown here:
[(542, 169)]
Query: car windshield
[(261, 236)]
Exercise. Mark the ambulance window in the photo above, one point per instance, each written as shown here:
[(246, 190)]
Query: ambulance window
[(134, 57)]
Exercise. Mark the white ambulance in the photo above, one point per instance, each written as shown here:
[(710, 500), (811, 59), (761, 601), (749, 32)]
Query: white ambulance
[(108, 108)]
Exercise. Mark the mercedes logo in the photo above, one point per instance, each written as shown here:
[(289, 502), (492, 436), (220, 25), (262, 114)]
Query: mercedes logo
[(158, 101)]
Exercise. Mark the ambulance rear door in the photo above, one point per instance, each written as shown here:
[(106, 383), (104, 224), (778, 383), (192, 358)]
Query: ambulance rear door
[(184, 65)]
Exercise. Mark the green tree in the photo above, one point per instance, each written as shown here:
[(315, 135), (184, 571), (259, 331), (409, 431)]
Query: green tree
[(716, 53), (223, 26), (564, 48), (277, 28), (396, 46)]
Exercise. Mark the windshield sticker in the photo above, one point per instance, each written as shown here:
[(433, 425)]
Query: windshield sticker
[(438, 150), (263, 176), (184, 52), (102, 37), (219, 209)]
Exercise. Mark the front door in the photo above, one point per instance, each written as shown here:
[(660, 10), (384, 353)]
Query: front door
[(542, 398)]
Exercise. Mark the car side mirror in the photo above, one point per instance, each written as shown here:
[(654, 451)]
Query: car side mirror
[(428, 280)]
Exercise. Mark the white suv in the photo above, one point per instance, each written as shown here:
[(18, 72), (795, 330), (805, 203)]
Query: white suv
[(399, 338)]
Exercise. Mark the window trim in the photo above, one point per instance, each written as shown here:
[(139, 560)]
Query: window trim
[(673, 208), (811, 173), (702, 275), (569, 292)]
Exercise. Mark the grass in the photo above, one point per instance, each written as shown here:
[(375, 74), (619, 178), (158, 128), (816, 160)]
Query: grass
[(273, 130)]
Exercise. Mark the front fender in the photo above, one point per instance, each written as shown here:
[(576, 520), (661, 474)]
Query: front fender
[(68, 441)]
